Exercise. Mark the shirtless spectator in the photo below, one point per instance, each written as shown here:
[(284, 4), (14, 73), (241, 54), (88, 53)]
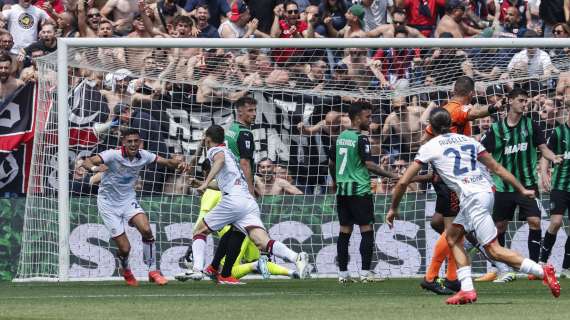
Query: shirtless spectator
[(259, 70), (67, 25), (362, 69), (422, 14), (109, 56), (118, 91), (8, 83), (23, 21), (206, 29), (399, 19), (163, 13), (282, 172), (354, 24), (332, 125), (210, 88), (452, 21), (240, 24), (404, 124), (269, 184), (88, 19), (121, 13)]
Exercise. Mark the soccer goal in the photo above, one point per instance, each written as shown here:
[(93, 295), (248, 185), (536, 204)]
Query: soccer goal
[(173, 89)]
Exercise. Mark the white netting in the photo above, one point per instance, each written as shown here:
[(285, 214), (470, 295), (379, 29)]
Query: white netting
[(302, 95)]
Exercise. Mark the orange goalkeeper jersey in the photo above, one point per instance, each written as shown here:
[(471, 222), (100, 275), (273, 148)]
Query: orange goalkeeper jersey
[(459, 118)]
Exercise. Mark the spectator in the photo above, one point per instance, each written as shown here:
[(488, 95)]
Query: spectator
[(47, 41), (202, 17), (118, 83), (422, 14), (361, 69), (239, 24), (376, 13), (8, 83), (67, 24), (210, 88), (121, 13), (520, 5), (532, 61), (552, 12), (217, 9), (88, 19), (263, 11), (282, 172), (290, 26), (452, 21), (512, 25), (267, 182), (446, 64), (23, 21), (398, 19), (354, 24), (385, 185), (6, 44), (314, 75), (114, 57), (403, 127), (483, 125), (164, 13), (397, 62), (335, 12), (560, 55)]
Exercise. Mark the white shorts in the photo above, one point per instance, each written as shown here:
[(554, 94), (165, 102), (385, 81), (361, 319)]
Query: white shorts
[(243, 213), (475, 215), (116, 215)]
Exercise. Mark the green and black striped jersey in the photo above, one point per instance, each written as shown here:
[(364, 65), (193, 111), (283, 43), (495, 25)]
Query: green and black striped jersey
[(516, 149), (559, 143), (239, 140), (352, 150)]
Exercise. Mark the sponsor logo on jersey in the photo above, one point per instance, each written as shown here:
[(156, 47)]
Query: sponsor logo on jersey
[(566, 155), (516, 148), (473, 179)]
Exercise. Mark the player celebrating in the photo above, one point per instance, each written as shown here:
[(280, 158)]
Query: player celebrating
[(238, 207), (559, 185), (447, 205), (349, 166), (117, 203), (514, 142), (458, 159)]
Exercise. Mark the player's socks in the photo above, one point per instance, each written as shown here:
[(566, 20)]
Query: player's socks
[(149, 253), (124, 261), (199, 251), (547, 244), (530, 267), (278, 249), (566, 261), (366, 249), (342, 250), (451, 273), (234, 246), (220, 250), (534, 237), (440, 251), (464, 275), (242, 270), (277, 270)]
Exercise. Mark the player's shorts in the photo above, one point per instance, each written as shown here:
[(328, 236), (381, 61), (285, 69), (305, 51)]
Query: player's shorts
[(507, 202), (475, 215), (559, 201), (353, 210), (116, 215), (447, 202), (237, 210)]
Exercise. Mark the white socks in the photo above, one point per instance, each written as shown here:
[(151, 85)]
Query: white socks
[(530, 267), (149, 254), (280, 250), (464, 275), (199, 252)]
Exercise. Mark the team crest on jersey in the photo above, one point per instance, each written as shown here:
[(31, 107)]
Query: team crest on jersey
[(248, 144), (524, 133), (26, 20)]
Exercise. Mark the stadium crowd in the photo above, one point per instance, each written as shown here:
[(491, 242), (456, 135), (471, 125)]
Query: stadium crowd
[(29, 29)]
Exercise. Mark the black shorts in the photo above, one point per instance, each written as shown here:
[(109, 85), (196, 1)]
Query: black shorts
[(559, 201), (507, 202), (447, 202), (353, 210)]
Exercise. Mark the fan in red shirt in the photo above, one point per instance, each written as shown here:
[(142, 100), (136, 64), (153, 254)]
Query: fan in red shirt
[(290, 26), (422, 14), (447, 204)]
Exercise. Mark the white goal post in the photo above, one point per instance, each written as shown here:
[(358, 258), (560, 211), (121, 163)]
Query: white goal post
[(66, 47)]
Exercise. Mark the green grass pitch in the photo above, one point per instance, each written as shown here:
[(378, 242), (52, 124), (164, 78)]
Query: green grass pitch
[(275, 299)]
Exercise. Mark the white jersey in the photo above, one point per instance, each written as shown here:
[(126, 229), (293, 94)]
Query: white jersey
[(230, 178), (454, 156), (118, 182)]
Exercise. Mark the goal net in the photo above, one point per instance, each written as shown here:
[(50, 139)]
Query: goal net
[(303, 90)]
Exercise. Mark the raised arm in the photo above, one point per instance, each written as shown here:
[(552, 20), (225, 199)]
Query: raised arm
[(82, 18)]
